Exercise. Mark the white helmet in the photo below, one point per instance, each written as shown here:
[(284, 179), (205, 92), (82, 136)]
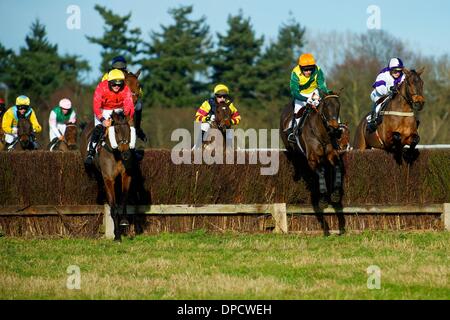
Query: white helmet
[(395, 63), (65, 104)]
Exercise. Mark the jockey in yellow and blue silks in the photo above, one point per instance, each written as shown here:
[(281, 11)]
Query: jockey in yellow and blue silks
[(11, 119), (205, 113), (120, 63), (306, 80)]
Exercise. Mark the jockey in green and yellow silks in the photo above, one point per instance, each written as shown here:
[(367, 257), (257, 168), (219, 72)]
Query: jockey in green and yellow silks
[(307, 79)]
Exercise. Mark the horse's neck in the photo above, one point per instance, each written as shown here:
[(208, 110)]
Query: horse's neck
[(398, 103), (316, 124)]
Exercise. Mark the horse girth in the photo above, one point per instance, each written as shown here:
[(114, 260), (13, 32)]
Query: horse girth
[(397, 113)]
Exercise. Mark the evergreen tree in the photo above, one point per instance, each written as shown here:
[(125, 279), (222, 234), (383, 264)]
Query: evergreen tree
[(235, 59), (177, 61), (38, 69), (275, 66), (117, 39)]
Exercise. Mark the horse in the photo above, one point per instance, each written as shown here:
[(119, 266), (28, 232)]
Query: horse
[(343, 141), (399, 124), (131, 80), (112, 164), (70, 139), (221, 121), (25, 136), (318, 143)]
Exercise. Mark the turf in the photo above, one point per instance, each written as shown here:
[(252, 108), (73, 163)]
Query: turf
[(203, 265)]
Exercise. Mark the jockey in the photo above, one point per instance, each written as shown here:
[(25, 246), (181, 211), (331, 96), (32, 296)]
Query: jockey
[(2, 107), (386, 82), (11, 118), (205, 112), (120, 63), (110, 96), (306, 80), (60, 116)]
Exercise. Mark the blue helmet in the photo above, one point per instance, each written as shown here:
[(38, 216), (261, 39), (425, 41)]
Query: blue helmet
[(119, 62)]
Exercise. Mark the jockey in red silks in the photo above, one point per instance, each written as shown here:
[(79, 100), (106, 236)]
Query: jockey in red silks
[(111, 95)]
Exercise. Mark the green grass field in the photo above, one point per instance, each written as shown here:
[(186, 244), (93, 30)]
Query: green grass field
[(201, 265)]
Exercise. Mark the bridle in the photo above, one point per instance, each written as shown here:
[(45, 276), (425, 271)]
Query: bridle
[(409, 101)]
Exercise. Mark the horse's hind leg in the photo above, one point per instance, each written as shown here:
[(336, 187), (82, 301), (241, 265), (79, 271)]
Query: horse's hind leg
[(337, 185)]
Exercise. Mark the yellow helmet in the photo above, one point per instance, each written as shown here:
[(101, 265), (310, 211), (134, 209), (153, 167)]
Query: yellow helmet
[(221, 89), (22, 101), (306, 59), (116, 74)]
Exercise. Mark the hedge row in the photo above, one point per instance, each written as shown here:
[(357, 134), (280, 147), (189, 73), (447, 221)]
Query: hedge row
[(371, 177)]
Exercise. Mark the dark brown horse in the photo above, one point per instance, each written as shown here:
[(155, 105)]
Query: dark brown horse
[(399, 124), (318, 142), (114, 164), (70, 139), (25, 135), (221, 121), (131, 80)]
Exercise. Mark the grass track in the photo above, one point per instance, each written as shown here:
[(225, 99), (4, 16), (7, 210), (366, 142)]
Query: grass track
[(202, 265)]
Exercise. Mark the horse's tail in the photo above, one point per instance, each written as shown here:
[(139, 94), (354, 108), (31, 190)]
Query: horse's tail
[(359, 142)]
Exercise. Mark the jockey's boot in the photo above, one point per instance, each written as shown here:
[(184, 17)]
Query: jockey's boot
[(372, 124), (137, 124), (95, 138), (292, 130)]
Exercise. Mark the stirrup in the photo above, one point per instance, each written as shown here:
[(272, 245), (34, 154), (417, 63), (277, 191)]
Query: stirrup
[(291, 137)]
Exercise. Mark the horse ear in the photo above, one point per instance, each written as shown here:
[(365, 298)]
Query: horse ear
[(138, 73), (420, 71), (340, 91)]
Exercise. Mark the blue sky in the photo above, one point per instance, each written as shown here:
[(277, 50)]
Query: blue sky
[(421, 23)]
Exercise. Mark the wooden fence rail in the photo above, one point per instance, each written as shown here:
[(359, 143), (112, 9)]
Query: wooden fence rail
[(279, 211)]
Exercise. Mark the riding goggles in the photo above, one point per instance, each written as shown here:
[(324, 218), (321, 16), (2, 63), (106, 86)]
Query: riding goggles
[(23, 107), (116, 83)]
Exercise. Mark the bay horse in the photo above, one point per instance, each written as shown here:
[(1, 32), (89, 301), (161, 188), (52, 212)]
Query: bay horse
[(25, 135), (131, 80), (222, 122), (114, 164), (318, 143), (399, 123), (70, 139)]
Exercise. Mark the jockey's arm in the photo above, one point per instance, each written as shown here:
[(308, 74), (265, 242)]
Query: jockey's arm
[(202, 112), (97, 102), (73, 117), (53, 124), (235, 116), (380, 85), (7, 121), (321, 83), (34, 123), (295, 88)]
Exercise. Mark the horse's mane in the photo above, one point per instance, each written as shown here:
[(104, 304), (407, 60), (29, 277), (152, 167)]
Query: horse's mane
[(119, 117)]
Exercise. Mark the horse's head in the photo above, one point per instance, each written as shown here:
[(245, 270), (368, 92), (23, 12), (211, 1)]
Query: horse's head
[(132, 82), (24, 132), (329, 108), (70, 136), (413, 87), (223, 116), (121, 134), (343, 139)]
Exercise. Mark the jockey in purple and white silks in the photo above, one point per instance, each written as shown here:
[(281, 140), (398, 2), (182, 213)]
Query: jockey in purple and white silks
[(387, 81)]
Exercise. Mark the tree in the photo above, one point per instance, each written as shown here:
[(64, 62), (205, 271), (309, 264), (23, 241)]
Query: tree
[(176, 61), (235, 59), (38, 69), (275, 66), (117, 39)]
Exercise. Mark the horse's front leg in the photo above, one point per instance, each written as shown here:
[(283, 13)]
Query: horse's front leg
[(111, 196), (126, 182), (337, 182), (412, 153)]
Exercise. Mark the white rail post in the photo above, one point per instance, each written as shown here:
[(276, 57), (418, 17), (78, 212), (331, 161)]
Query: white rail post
[(280, 217), (446, 216), (108, 222)]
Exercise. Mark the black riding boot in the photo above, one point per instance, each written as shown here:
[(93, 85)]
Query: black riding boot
[(292, 130), (372, 124), (137, 124), (95, 138)]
